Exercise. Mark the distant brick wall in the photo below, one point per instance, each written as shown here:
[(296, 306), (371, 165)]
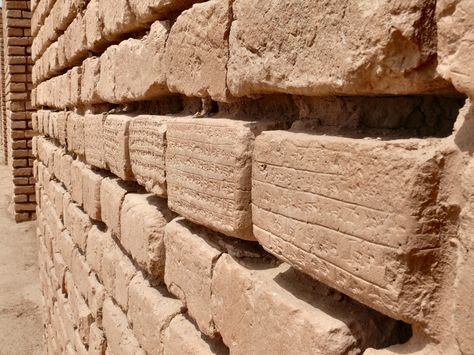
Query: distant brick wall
[(3, 119), (253, 176), (17, 115)]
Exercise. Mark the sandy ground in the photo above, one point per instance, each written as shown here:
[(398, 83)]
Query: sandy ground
[(20, 297)]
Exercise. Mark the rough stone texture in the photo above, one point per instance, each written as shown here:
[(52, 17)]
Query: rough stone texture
[(305, 48), (197, 51), (75, 133), (182, 337), (147, 142), (134, 69), (150, 314), (112, 194), (120, 338), (143, 219), (208, 165), (116, 148), (279, 313), (90, 77), (456, 43), (318, 204), (94, 140), (190, 258), (91, 181), (148, 10)]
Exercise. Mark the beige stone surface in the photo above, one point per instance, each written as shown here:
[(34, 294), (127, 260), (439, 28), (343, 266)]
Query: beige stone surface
[(78, 224), (267, 309), (143, 220), (149, 10), (150, 313), (354, 213), (120, 338), (90, 77), (147, 144), (337, 47), (112, 194), (97, 241), (75, 133), (191, 254), (97, 341), (134, 69), (455, 20), (208, 167), (94, 140), (77, 168), (91, 181), (62, 127), (182, 337), (116, 149), (197, 51)]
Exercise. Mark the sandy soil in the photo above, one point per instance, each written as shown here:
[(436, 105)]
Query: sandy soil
[(21, 327)]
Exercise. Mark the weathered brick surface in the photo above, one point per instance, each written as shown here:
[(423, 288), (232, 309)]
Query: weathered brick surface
[(305, 313), (208, 165), (153, 150), (143, 218), (116, 145), (147, 145), (340, 213)]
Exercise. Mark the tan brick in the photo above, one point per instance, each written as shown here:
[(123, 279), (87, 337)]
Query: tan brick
[(97, 341), (208, 172), (182, 337), (197, 51), (116, 150), (147, 144), (112, 194), (97, 242), (190, 257), (80, 271), (150, 313), (75, 133), (331, 55), (262, 308), (361, 213), (78, 224), (94, 140), (91, 181), (143, 219), (120, 338), (77, 167), (61, 125), (90, 78), (95, 298), (134, 69), (455, 44), (81, 314)]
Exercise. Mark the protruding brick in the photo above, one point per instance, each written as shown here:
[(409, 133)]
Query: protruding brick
[(182, 337), (143, 219), (119, 336), (208, 166), (262, 308), (112, 194), (355, 214), (150, 313), (197, 51), (147, 152), (116, 148), (94, 140)]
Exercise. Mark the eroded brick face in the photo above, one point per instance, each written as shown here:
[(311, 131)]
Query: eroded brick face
[(245, 177)]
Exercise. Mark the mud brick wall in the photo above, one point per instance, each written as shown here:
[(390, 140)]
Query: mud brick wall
[(3, 122), (254, 177), (17, 102)]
